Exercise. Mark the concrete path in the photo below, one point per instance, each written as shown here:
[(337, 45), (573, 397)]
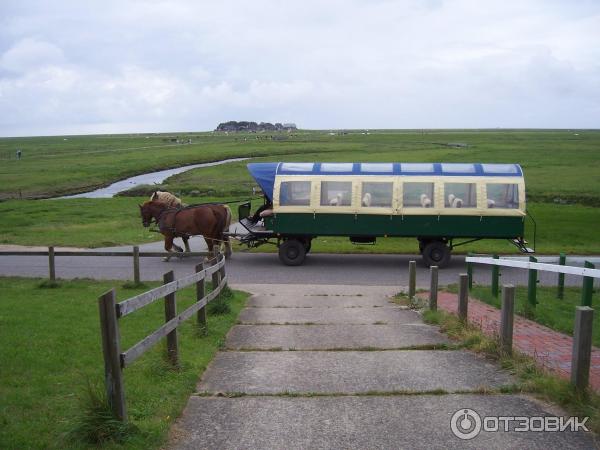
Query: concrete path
[(343, 367)]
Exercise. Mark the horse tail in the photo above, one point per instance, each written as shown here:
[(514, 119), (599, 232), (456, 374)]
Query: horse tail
[(227, 218), (225, 239)]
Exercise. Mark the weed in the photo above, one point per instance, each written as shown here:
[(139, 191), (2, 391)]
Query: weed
[(97, 424)]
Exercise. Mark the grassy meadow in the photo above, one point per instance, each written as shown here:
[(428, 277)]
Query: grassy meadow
[(51, 351), (563, 188)]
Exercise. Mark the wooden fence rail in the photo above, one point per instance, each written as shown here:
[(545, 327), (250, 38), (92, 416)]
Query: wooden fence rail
[(51, 253), (115, 359)]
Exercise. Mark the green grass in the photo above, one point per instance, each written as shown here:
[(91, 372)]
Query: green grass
[(559, 167), (51, 352), (557, 163), (531, 379), (550, 311)]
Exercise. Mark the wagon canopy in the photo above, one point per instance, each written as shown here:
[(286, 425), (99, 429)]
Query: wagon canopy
[(265, 173)]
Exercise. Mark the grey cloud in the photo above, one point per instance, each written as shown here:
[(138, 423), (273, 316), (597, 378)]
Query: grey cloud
[(68, 67)]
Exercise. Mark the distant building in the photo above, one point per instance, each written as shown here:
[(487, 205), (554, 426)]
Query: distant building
[(253, 127)]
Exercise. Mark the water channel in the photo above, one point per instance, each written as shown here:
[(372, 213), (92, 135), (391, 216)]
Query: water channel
[(146, 179)]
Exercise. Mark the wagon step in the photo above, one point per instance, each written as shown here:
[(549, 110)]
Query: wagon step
[(521, 244)]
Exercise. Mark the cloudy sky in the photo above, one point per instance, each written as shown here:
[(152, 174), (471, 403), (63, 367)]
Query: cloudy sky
[(109, 66)]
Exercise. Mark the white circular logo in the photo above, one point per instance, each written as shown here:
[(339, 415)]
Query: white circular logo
[(465, 424)]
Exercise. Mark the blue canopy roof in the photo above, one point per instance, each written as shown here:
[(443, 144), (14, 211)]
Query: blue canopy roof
[(264, 173)]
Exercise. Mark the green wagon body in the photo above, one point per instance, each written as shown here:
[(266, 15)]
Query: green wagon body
[(365, 225)]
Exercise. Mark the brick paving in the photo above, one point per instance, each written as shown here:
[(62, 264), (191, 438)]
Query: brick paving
[(551, 349)]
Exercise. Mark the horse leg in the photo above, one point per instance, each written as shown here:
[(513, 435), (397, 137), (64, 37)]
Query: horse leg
[(168, 246), (185, 240), (228, 251)]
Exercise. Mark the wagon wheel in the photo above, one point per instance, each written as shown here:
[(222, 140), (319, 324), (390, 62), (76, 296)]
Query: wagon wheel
[(292, 252), (307, 242), (436, 253)]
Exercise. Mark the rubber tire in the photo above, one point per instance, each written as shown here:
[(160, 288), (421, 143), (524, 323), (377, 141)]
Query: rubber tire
[(307, 245), (292, 252), (436, 253)]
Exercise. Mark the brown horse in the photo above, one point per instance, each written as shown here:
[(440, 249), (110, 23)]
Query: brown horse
[(210, 221)]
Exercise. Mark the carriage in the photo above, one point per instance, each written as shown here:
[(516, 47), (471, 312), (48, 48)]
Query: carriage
[(442, 205)]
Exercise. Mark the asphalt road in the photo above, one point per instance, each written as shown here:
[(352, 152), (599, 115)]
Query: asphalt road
[(245, 268)]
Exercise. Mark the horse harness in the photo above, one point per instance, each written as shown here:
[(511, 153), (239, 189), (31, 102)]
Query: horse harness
[(161, 221)]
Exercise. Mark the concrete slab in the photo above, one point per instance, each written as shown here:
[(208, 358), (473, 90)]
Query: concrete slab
[(284, 290), (349, 372), (385, 315), (329, 337), (311, 301), (413, 422)]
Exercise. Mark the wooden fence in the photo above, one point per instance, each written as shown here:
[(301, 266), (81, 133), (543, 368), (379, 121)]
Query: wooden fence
[(583, 327), (51, 253), (115, 359)]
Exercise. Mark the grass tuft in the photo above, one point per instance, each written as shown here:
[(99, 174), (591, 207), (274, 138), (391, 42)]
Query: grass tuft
[(97, 424), (219, 307), (133, 285), (48, 284)]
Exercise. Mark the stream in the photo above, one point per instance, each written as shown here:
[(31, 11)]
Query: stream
[(146, 178)]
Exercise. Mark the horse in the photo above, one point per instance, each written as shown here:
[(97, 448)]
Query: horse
[(209, 220)]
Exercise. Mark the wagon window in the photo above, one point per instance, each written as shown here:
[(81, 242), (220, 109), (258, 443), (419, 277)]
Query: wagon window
[(503, 195), (377, 195), (294, 193), (418, 195), (460, 195), (336, 193)]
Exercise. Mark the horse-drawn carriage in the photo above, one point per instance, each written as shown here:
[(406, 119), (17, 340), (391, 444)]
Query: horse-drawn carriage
[(438, 203)]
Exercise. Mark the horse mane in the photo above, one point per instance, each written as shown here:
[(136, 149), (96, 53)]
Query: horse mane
[(167, 198)]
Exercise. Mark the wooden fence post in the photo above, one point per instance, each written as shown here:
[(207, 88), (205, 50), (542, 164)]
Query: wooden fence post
[(412, 279), (588, 287), (433, 288), (582, 347), (51, 264), (562, 260), (222, 269), (470, 272), (507, 318), (495, 277), (532, 285), (200, 293), (170, 313), (463, 297), (136, 265), (216, 276), (111, 349)]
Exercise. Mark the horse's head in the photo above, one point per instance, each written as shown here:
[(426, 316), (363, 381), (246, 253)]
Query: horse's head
[(149, 210)]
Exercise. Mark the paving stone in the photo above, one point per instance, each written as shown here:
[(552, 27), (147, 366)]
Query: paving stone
[(349, 372), (385, 315), (319, 301), (327, 337), (415, 422)]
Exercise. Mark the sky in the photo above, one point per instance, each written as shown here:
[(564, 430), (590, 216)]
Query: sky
[(91, 67)]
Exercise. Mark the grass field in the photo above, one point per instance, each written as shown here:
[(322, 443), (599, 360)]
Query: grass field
[(51, 350), (560, 167)]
